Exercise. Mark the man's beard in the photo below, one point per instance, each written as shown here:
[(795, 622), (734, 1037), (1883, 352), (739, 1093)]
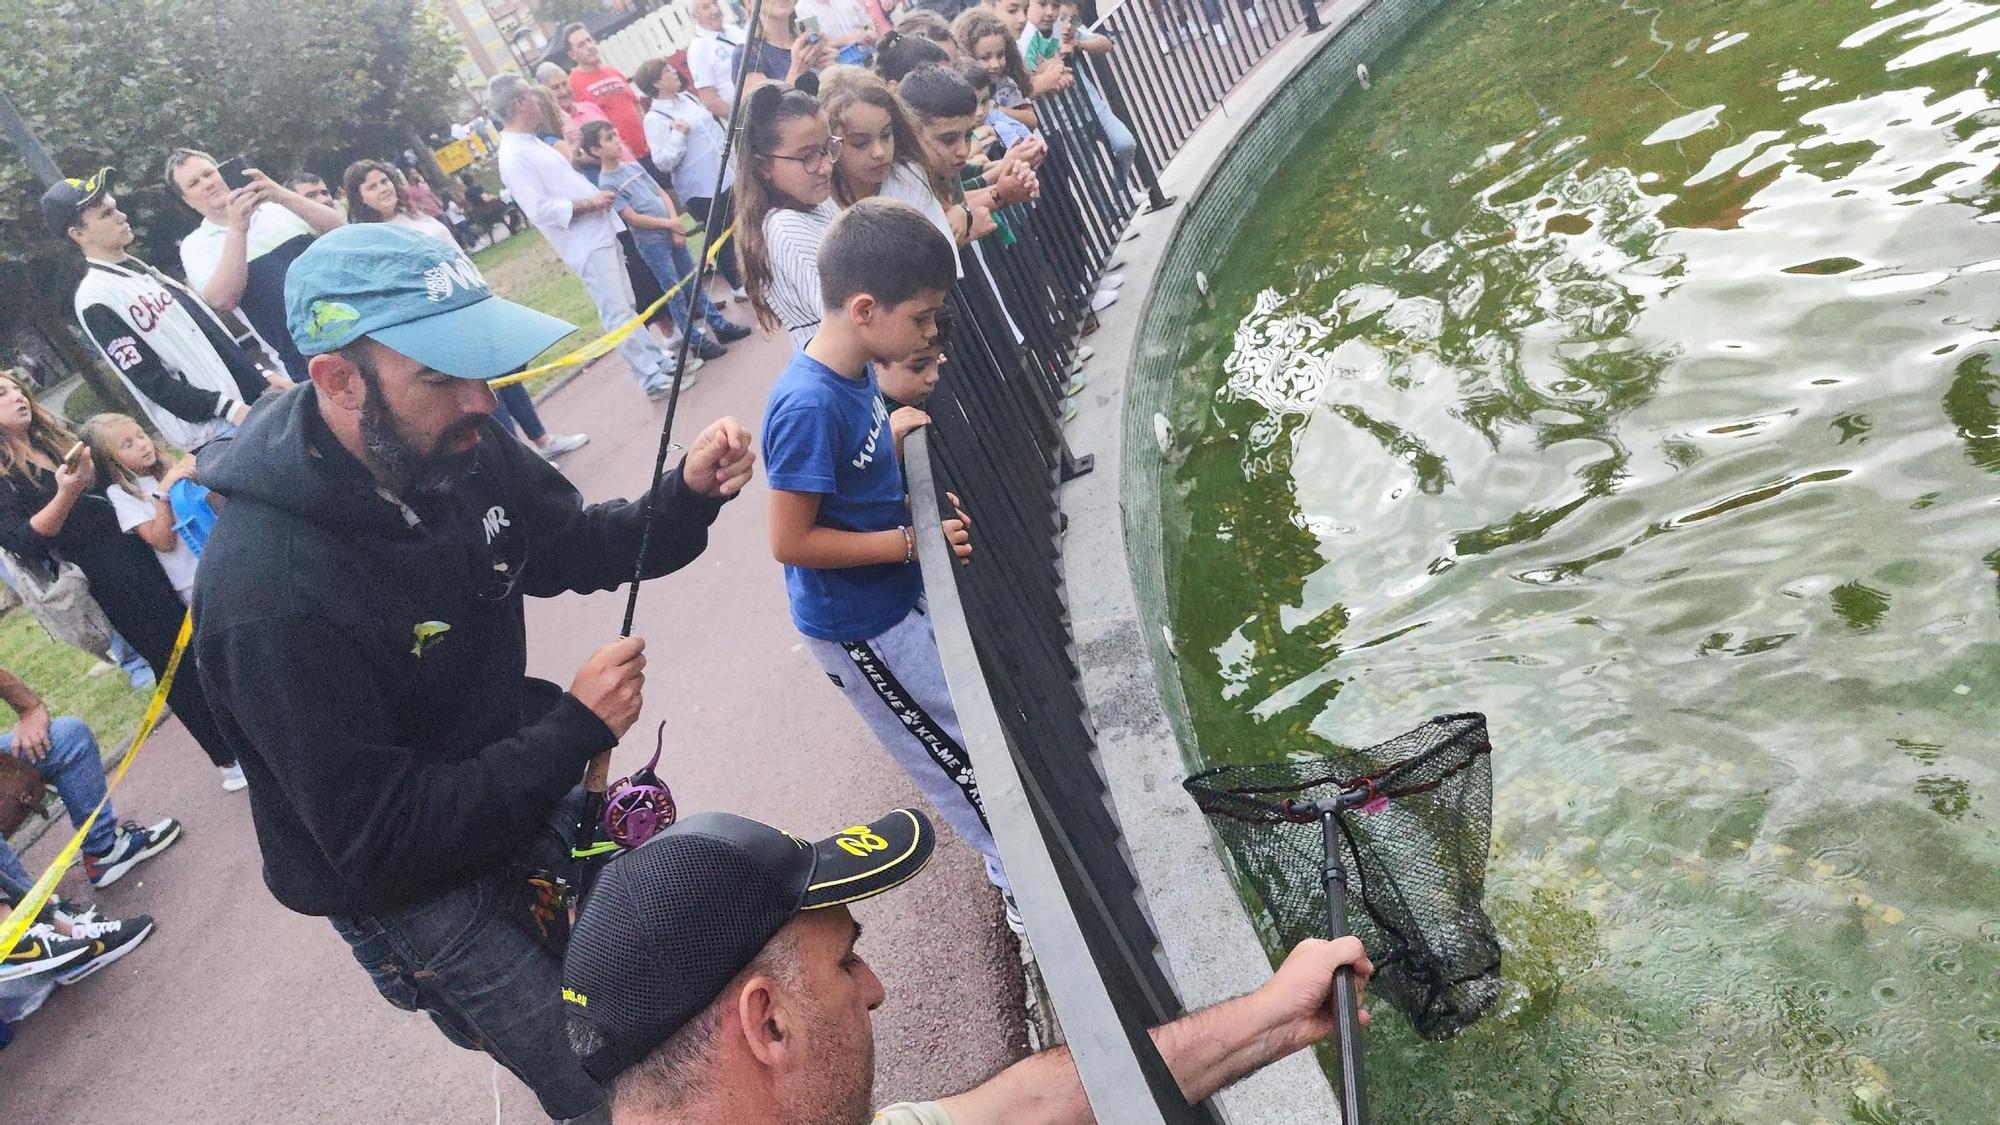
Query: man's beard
[(401, 458)]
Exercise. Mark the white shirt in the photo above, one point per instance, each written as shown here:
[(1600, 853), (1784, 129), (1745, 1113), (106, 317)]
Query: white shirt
[(910, 184), (546, 188), (179, 563), (691, 158), (271, 226), (792, 239), (713, 58), (837, 18), (424, 224)]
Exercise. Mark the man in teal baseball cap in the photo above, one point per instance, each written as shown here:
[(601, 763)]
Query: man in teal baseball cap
[(359, 629)]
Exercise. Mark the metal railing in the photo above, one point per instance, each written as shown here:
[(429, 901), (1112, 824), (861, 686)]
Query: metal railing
[(996, 440)]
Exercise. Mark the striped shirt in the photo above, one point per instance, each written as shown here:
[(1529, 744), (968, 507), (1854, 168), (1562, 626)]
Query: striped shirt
[(792, 239)]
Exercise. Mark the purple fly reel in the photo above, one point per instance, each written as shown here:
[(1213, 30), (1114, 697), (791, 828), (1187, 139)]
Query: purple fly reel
[(639, 806)]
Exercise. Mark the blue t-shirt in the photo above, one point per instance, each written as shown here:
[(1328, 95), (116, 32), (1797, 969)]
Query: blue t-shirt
[(830, 435), (636, 188)]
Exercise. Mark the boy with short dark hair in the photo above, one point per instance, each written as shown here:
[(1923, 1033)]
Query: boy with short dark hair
[(839, 515)]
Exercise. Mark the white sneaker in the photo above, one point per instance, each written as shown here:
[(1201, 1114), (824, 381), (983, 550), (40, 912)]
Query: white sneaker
[(1111, 282), (560, 444), (1130, 234), (233, 779), (1014, 920), (1103, 300), (1116, 263)]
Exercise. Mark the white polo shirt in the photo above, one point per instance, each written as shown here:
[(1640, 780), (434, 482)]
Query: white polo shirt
[(546, 188), (713, 58)]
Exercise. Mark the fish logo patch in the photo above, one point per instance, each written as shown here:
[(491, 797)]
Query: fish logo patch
[(427, 634), (327, 318)]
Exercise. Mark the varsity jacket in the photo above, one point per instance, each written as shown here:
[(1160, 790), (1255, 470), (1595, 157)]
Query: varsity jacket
[(170, 349)]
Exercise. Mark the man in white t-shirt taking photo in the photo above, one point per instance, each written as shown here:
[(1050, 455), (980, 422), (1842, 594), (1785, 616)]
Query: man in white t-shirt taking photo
[(248, 237), (695, 997), (576, 218)]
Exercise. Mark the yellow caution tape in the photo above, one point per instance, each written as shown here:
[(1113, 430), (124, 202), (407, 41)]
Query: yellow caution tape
[(604, 344), (23, 914)]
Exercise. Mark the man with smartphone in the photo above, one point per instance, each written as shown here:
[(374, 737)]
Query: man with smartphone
[(171, 350), (251, 230)]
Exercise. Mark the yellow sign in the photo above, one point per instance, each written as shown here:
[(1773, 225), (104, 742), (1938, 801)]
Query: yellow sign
[(453, 156)]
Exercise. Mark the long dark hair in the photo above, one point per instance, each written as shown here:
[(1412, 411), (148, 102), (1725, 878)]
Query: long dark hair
[(358, 210), (843, 88), (46, 433), (771, 105), (974, 24)]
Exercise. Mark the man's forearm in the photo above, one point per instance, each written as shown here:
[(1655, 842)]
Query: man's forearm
[(1205, 1051), (232, 273), (17, 693), (318, 216)]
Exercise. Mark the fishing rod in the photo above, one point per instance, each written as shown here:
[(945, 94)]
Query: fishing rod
[(643, 792)]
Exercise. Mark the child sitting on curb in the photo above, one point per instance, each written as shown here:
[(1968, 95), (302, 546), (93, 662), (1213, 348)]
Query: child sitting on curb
[(839, 512)]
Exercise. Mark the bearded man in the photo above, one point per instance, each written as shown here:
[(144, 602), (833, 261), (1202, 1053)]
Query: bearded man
[(359, 628)]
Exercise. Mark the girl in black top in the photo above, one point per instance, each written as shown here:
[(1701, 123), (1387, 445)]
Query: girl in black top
[(48, 512)]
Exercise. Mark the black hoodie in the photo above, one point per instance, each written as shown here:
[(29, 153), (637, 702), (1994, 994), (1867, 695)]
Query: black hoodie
[(370, 673)]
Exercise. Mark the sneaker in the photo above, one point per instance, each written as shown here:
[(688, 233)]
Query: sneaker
[(710, 349), (1116, 263), (98, 668), (132, 846), (1014, 920), (108, 941), (67, 912), (1130, 234), (560, 444), (1102, 300), (233, 780), (729, 331), (39, 950), (739, 294), (1075, 386), (659, 391), (1111, 281)]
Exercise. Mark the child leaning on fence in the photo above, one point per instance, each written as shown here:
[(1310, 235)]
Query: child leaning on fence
[(840, 513)]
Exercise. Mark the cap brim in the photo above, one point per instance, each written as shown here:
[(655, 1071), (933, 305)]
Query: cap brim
[(96, 186), (484, 340), (866, 860)]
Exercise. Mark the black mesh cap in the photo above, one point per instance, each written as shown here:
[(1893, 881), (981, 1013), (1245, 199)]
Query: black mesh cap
[(63, 203), (670, 923)]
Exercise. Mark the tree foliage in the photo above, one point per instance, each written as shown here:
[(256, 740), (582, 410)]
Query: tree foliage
[(291, 83)]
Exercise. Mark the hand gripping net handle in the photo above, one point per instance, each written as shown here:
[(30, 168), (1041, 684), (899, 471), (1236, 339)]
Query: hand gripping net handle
[(1415, 820)]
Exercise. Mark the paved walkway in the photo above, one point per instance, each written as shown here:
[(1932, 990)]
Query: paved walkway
[(237, 1010)]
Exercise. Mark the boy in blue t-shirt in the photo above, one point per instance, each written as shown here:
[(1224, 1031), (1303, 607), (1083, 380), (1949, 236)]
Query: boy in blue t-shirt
[(839, 513)]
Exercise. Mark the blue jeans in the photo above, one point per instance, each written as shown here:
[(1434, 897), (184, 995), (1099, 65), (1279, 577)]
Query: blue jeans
[(515, 408), (669, 264), (135, 667), (1124, 146), (73, 766), (467, 959)]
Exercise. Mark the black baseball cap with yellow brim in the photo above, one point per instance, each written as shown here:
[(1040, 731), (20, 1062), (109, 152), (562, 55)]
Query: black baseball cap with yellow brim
[(670, 923), (64, 203)]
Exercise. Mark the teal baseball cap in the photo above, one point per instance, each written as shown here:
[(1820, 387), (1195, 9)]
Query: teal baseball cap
[(414, 295)]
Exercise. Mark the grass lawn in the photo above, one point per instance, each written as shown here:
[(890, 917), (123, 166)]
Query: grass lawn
[(60, 675)]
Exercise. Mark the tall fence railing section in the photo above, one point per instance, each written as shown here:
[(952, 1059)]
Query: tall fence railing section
[(996, 441)]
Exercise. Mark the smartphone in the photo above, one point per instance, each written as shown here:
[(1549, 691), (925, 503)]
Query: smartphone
[(810, 25), (73, 457), (234, 171)]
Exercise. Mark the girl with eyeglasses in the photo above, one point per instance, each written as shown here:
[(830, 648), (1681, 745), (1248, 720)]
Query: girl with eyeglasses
[(784, 202)]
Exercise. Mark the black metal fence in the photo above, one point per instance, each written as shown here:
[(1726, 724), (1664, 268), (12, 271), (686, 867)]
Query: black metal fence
[(996, 440)]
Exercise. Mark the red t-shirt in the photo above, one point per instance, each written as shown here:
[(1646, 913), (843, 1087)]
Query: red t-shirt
[(607, 90)]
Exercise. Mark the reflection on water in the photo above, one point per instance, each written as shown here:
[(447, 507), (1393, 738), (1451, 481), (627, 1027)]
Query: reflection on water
[(1632, 373)]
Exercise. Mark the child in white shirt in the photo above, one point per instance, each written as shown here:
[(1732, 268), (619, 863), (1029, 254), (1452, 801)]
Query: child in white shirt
[(140, 477)]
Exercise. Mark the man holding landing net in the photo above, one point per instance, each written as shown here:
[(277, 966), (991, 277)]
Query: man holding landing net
[(359, 627)]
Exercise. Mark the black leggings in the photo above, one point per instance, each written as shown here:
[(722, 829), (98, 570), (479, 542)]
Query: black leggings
[(725, 261), (150, 625)]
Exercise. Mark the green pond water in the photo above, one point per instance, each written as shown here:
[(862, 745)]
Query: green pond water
[(1632, 374)]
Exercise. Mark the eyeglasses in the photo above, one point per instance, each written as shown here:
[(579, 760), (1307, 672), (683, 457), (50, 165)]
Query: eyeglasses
[(822, 156)]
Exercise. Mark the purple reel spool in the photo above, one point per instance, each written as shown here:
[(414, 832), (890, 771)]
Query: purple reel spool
[(640, 805)]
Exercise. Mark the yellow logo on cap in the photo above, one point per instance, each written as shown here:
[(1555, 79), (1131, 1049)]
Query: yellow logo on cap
[(858, 841), (574, 997)]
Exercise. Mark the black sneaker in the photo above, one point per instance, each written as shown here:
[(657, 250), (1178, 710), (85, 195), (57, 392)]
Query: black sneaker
[(710, 349), (730, 332), (108, 941), (132, 846), (40, 950)]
